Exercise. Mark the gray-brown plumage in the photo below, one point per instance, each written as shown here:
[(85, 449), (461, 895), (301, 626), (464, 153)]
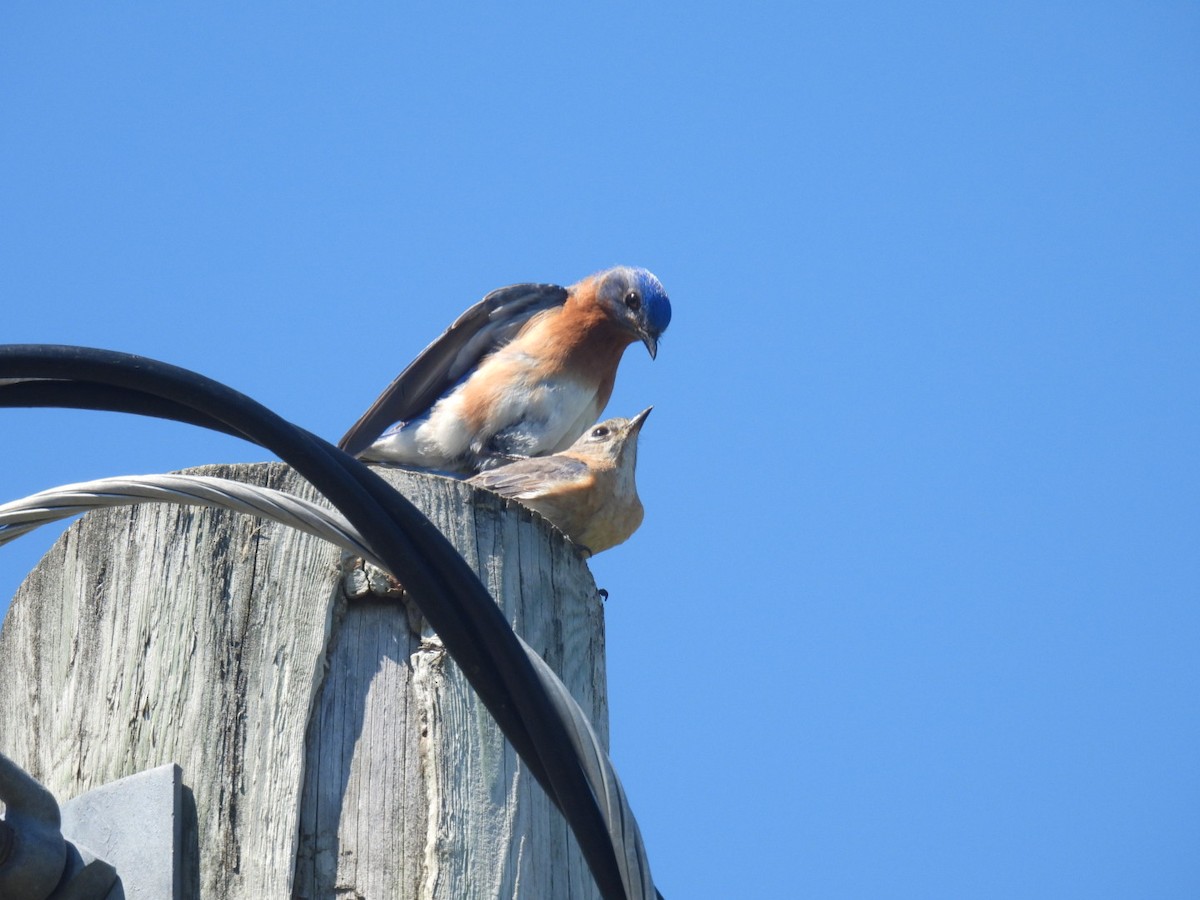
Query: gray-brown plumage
[(588, 490)]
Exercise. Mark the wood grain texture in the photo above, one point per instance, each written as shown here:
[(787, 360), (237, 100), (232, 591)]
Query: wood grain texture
[(333, 748)]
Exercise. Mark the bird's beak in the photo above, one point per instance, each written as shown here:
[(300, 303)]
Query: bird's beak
[(651, 343), (635, 424)]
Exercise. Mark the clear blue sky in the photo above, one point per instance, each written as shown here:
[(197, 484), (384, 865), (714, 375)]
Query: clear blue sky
[(915, 611)]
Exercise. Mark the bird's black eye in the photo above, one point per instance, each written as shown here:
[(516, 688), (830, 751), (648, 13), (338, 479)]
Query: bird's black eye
[(633, 301), (600, 431)]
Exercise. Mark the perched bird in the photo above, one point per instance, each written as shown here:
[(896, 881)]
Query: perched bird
[(521, 373), (588, 491)]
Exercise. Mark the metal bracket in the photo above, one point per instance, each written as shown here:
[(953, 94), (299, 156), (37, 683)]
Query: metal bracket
[(134, 824)]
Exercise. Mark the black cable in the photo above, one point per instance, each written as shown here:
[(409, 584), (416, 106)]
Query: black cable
[(53, 393), (304, 451), (448, 593)]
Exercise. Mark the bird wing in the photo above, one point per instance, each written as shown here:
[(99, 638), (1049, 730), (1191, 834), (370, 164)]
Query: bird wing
[(489, 324), (528, 479)]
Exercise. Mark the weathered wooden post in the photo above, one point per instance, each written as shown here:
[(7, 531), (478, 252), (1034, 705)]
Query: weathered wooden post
[(332, 748)]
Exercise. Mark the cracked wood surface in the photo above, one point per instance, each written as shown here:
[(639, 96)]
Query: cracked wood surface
[(333, 748)]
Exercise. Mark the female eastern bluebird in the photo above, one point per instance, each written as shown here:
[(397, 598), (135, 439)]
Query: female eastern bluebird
[(588, 491), (521, 373)]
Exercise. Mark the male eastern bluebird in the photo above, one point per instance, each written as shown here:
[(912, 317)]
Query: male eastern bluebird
[(521, 373), (588, 491)]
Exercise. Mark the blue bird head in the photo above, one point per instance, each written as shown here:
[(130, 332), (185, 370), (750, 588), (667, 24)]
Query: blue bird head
[(637, 299)]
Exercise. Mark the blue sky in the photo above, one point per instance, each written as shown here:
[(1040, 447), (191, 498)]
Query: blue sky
[(915, 610)]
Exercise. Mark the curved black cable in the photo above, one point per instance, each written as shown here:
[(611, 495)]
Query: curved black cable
[(58, 394), (497, 684), (448, 593)]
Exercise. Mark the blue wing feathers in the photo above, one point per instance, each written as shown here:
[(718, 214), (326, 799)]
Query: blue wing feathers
[(489, 324)]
